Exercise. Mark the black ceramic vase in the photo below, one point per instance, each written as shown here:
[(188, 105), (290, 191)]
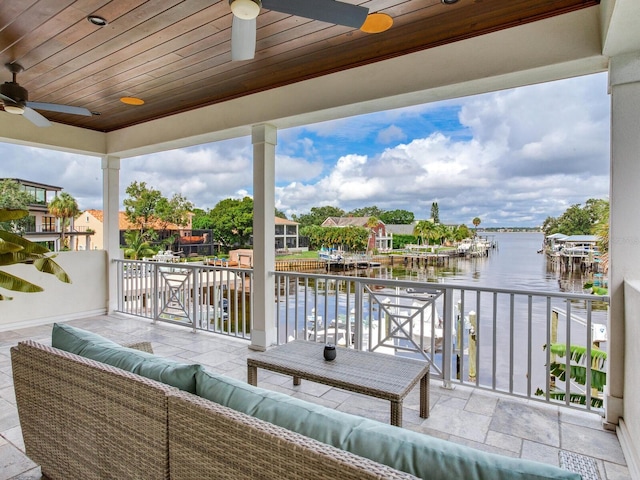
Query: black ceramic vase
[(329, 352)]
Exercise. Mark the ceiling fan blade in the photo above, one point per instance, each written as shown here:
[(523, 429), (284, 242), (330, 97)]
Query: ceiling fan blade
[(54, 107), (35, 118), (330, 11), (243, 39)]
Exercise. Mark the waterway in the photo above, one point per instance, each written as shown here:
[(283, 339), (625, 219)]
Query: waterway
[(514, 263)]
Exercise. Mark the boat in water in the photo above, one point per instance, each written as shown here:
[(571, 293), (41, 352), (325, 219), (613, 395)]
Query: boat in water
[(330, 254)]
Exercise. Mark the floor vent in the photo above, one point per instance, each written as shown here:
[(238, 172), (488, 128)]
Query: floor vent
[(585, 466)]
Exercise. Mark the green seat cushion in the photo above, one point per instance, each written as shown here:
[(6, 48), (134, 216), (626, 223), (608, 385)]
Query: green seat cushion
[(421, 455), (93, 346)]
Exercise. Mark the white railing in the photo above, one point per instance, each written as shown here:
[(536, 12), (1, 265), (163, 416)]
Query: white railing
[(494, 339), (488, 338), (198, 296)]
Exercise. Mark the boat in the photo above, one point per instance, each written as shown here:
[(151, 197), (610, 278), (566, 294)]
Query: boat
[(330, 254)]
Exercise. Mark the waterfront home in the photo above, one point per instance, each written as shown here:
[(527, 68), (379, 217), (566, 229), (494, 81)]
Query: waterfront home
[(94, 220), (175, 58), (379, 239), (42, 226), (286, 236)]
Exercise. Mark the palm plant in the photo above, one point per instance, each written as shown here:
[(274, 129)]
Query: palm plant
[(138, 244), (65, 207), (425, 229), (14, 250), (476, 222), (578, 373)]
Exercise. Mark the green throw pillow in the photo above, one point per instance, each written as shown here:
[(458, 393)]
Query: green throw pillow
[(421, 455), (93, 346)]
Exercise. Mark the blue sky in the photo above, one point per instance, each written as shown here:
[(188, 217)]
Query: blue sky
[(512, 158)]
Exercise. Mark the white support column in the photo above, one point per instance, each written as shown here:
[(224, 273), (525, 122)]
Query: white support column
[(111, 232), (623, 380), (263, 332)]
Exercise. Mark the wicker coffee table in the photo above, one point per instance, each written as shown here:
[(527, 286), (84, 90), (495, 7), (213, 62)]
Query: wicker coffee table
[(374, 374)]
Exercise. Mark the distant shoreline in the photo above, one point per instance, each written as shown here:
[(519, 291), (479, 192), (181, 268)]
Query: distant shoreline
[(510, 230)]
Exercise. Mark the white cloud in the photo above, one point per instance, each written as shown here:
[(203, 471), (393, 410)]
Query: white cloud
[(390, 134), (511, 158), (532, 153)]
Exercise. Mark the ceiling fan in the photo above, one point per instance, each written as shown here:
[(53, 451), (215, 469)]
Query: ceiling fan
[(15, 99), (243, 29)]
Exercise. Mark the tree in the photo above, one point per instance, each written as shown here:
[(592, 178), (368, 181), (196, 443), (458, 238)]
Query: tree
[(138, 244), (425, 229), (461, 232), (280, 214), (317, 215), (598, 209), (577, 220), (476, 222), (65, 207), (550, 226), (232, 221), (176, 210), (350, 238), (435, 212), (372, 211), (14, 197), (201, 220), (401, 241), (443, 233), (140, 206), (397, 217), (601, 230), (15, 250)]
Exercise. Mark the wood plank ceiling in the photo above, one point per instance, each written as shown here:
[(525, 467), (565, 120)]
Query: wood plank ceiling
[(175, 55)]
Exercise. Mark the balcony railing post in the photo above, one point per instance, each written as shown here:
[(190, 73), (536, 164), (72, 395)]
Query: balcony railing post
[(357, 315), (447, 337), (155, 290), (196, 298)]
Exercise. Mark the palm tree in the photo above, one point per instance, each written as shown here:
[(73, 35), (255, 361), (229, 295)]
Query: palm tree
[(424, 229), (138, 245), (476, 222), (371, 225), (443, 233), (14, 249), (601, 230), (65, 207)]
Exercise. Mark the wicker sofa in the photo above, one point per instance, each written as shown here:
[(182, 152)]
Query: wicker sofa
[(83, 418)]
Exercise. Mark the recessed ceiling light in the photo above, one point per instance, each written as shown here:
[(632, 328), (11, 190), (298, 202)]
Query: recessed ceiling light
[(96, 20), (132, 101), (376, 23), (449, 2)]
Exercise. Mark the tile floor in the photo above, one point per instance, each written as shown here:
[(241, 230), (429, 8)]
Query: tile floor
[(482, 420)]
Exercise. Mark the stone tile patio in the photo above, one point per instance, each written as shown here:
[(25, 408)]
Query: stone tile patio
[(483, 420)]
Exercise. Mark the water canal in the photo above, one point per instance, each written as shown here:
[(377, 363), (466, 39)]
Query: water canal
[(511, 332)]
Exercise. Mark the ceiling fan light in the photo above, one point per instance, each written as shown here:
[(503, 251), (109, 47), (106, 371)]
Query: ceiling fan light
[(245, 9), (14, 108)]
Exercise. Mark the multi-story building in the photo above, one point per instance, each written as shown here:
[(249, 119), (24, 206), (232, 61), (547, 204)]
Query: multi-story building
[(286, 235)]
